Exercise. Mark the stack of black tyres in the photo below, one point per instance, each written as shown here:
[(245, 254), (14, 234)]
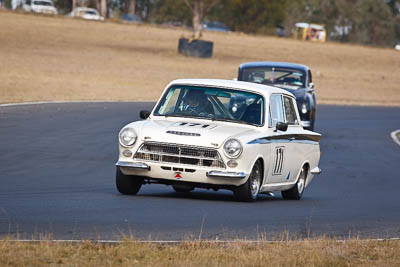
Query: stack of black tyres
[(195, 48)]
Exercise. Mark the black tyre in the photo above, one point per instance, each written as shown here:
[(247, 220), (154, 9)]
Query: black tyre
[(195, 48), (128, 184), (296, 192), (249, 191)]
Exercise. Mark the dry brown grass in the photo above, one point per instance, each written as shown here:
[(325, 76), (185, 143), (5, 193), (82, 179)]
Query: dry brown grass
[(47, 58), (323, 252)]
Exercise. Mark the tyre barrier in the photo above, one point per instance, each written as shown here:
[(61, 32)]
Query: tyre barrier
[(195, 48)]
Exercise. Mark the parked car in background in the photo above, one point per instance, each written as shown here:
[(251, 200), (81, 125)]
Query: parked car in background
[(196, 136), (40, 6), (86, 13), (214, 26), (309, 32), (131, 18), (294, 78)]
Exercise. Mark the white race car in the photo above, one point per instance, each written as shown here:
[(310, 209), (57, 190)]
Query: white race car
[(220, 134)]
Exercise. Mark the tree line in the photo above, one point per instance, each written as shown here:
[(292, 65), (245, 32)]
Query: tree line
[(371, 22)]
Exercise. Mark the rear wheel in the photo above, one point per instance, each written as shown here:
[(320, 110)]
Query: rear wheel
[(128, 184), (296, 192), (249, 191)]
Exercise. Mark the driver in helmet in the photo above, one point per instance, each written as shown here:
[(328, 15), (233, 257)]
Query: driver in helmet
[(195, 102), (258, 76)]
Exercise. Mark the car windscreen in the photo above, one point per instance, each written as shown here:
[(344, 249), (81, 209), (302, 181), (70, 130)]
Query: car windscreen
[(212, 103), (277, 76), (42, 3)]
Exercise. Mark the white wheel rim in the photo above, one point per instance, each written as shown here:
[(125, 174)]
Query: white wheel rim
[(255, 182), (301, 182)]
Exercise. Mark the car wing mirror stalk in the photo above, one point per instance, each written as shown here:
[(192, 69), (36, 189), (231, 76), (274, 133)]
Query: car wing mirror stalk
[(144, 114), (281, 126)]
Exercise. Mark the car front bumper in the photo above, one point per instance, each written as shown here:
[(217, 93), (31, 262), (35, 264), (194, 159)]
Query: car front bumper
[(182, 173)]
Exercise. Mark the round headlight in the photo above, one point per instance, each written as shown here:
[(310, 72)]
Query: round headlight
[(304, 108), (127, 137), (233, 148)]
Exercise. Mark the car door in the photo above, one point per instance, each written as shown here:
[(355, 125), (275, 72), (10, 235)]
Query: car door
[(279, 142), (293, 146)]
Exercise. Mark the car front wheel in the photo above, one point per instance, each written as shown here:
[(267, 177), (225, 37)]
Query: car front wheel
[(128, 184), (249, 191), (296, 192)]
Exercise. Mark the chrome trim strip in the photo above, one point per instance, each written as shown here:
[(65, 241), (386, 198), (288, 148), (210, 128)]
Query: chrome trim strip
[(316, 170), (133, 165), (288, 138), (237, 175), (306, 123), (276, 186), (264, 141)]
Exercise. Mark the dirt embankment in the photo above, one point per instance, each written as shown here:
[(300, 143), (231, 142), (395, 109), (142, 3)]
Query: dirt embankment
[(48, 58)]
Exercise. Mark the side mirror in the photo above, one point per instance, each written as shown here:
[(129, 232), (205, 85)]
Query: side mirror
[(144, 114), (281, 126), (312, 85)]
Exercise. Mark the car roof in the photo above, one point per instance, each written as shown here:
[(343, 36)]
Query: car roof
[(260, 64), (231, 84)]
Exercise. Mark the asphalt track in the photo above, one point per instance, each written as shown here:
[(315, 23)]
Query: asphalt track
[(57, 178)]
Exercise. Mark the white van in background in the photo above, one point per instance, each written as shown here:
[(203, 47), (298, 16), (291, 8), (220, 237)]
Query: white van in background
[(40, 6), (85, 13)]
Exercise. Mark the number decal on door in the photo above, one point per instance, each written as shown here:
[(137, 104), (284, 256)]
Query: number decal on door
[(279, 160)]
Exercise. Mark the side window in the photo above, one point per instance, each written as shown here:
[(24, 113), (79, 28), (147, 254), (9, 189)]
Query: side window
[(170, 101), (290, 111), (275, 110)]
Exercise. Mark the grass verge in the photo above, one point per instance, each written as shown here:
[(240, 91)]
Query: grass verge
[(309, 252)]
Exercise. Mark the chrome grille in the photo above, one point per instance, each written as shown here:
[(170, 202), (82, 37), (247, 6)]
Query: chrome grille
[(174, 153)]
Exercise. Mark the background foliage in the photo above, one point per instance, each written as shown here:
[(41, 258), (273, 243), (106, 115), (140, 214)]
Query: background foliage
[(371, 22)]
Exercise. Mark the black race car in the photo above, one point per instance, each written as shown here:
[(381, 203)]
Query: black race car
[(294, 78)]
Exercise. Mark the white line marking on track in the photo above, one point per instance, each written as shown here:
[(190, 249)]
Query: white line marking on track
[(396, 136), (183, 242), (68, 102)]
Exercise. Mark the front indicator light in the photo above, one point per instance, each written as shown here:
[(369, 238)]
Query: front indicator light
[(232, 163), (127, 153)]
